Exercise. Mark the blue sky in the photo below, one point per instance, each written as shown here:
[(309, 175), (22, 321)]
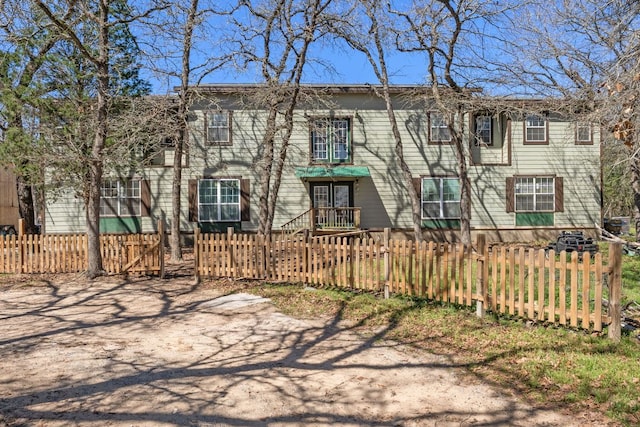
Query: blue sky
[(351, 68)]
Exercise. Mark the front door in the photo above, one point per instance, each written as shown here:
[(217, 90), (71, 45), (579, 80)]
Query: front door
[(332, 201)]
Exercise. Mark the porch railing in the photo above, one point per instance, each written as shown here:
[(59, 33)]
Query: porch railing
[(336, 218), (324, 219)]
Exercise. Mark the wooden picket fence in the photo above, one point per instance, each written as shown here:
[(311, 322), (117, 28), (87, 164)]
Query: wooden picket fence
[(67, 253), (516, 281)]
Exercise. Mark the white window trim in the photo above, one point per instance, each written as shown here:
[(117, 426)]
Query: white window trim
[(442, 202), (479, 141), (323, 131), (589, 127), (210, 126), (535, 194), (443, 124), (543, 127), (219, 203), (121, 198)]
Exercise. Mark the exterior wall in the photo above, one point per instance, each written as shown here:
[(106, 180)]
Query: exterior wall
[(382, 197)]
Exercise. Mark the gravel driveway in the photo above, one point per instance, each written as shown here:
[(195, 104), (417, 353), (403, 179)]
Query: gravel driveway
[(151, 352)]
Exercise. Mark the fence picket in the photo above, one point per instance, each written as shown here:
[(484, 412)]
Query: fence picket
[(597, 313), (552, 287), (586, 289), (525, 285), (574, 289)]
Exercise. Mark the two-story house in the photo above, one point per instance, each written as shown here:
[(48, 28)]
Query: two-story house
[(532, 174)]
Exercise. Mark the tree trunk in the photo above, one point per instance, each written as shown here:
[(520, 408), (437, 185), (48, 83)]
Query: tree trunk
[(25, 204), (465, 189), (465, 203), (94, 258), (264, 225), (176, 248), (102, 128)]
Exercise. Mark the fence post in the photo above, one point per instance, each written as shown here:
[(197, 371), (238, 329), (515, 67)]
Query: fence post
[(22, 243), (231, 241), (615, 290), (161, 248), (312, 220), (481, 280), (387, 264), (196, 254)]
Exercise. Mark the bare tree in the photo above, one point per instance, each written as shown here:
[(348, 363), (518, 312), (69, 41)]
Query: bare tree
[(176, 36), (588, 52), (277, 37), (450, 34), (370, 37)]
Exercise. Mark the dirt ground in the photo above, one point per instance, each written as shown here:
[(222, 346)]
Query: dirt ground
[(151, 352)]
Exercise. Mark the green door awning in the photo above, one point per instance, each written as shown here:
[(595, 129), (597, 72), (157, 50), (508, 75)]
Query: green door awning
[(332, 172)]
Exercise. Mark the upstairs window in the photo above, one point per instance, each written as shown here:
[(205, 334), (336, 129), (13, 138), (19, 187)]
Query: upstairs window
[(536, 129), (439, 128), (219, 200), (331, 141), (218, 127), (120, 198), (484, 131), (440, 198), (584, 133)]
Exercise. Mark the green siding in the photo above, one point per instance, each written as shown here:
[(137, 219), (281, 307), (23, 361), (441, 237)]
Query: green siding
[(534, 219), (120, 225), (439, 224), (218, 227)]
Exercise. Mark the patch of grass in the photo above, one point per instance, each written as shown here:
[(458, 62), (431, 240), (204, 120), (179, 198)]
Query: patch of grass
[(546, 364), (630, 274)]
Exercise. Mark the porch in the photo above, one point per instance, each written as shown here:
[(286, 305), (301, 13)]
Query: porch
[(325, 220)]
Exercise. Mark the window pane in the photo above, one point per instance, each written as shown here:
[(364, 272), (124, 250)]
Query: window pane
[(208, 212), (229, 191), (524, 186), (219, 200), (450, 190), (120, 198), (341, 139), (535, 128), (544, 185), (229, 212), (208, 191), (108, 206), (451, 210), (319, 140), (535, 121), (321, 197), (535, 194), (431, 210), (524, 202), (439, 127), (218, 120), (535, 134), (583, 132), (218, 127), (544, 202), (440, 198), (430, 189), (483, 130)]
